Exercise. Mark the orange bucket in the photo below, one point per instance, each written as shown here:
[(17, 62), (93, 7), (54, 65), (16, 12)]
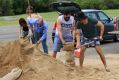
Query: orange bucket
[(77, 52)]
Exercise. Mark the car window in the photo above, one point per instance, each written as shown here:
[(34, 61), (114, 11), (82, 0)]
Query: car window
[(102, 16), (92, 15)]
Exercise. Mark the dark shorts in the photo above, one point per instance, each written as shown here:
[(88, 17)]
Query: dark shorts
[(90, 42)]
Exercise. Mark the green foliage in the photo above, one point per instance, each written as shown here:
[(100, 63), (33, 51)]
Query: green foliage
[(41, 5), (6, 7), (10, 7), (19, 6), (93, 4), (98, 4)]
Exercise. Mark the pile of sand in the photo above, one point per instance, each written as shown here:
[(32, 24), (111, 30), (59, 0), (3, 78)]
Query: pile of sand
[(37, 66)]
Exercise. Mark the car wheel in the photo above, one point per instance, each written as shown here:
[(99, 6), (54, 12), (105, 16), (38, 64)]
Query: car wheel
[(116, 38)]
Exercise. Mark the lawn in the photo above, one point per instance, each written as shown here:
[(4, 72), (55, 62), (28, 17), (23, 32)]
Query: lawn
[(49, 16), (13, 20), (112, 13)]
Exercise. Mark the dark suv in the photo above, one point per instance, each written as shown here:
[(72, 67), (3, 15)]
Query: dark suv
[(108, 23), (97, 14)]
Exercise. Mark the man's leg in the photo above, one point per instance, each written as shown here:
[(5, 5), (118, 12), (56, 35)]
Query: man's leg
[(56, 46), (34, 37), (45, 48), (100, 53), (54, 54), (83, 48)]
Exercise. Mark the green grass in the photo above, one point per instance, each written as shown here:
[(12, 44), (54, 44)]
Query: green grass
[(7, 23), (112, 13), (49, 16)]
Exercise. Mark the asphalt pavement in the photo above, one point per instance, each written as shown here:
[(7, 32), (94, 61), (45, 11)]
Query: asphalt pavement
[(8, 33)]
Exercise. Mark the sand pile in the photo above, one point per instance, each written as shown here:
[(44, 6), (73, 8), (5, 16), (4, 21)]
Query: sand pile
[(37, 66)]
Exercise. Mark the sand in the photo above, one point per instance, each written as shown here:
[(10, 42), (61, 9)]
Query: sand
[(37, 66)]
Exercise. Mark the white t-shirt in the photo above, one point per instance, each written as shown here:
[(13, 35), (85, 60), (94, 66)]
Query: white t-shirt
[(66, 28)]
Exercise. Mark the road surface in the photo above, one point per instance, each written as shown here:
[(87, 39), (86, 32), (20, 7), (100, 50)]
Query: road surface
[(8, 33)]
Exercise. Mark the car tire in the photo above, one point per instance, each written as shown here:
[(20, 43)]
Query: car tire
[(116, 38)]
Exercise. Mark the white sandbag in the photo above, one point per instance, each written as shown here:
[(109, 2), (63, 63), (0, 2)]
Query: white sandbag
[(13, 75)]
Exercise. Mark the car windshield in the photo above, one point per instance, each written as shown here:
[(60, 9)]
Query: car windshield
[(102, 16), (92, 15)]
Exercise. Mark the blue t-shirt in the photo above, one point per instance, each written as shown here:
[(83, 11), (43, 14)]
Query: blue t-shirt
[(42, 30)]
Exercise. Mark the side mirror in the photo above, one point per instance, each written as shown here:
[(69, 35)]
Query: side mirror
[(110, 19)]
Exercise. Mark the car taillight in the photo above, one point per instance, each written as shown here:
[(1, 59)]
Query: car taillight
[(115, 23)]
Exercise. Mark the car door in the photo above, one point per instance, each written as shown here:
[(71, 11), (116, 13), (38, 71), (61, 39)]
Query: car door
[(108, 24)]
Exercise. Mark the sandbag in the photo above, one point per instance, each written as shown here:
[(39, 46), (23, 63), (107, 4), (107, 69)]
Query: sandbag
[(13, 75), (69, 46)]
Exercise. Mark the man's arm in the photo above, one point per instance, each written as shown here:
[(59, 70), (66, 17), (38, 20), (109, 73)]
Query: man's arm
[(20, 34), (59, 28), (78, 38), (44, 36), (30, 31), (74, 31), (30, 25), (101, 27)]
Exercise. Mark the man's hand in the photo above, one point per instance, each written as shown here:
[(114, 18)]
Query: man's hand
[(78, 45), (63, 42), (101, 38)]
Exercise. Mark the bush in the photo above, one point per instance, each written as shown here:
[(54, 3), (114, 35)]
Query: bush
[(6, 7), (93, 4)]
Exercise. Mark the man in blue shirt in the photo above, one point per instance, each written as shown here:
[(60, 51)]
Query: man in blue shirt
[(39, 29)]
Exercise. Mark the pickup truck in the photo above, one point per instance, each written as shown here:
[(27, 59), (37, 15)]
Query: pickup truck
[(108, 22)]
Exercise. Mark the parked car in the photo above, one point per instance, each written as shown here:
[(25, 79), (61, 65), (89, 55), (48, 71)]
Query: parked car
[(108, 22)]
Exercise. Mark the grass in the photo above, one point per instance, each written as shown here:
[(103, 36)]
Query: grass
[(112, 13), (7, 23), (49, 16), (13, 20)]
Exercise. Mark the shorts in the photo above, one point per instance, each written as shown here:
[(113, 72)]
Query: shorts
[(57, 44), (90, 42)]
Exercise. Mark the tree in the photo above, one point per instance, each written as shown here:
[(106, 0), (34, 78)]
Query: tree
[(6, 9), (41, 5), (93, 4), (19, 6), (112, 4)]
